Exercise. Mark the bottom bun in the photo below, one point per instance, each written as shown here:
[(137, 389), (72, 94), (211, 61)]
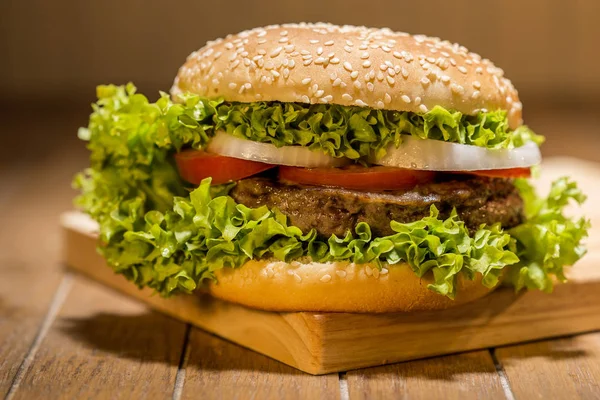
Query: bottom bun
[(336, 287)]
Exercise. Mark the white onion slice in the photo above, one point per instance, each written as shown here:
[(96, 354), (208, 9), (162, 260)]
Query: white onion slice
[(435, 155), (227, 145)]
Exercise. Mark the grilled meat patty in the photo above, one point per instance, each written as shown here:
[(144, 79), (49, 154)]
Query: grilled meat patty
[(332, 210)]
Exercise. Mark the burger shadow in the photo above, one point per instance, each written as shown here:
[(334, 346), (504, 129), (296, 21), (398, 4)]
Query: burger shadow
[(154, 337)]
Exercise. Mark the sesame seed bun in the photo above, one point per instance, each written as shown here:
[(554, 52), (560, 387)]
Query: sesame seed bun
[(348, 65), (336, 287)]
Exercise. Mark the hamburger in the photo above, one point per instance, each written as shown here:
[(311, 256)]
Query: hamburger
[(314, 167)]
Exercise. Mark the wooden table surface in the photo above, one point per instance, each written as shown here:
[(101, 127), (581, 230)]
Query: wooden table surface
[(64, 336)]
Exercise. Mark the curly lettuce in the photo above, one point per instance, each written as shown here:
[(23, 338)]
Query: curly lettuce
[(159, 234)]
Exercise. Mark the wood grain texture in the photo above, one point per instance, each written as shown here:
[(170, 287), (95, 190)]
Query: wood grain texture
[(567, 368), (218, 369), (30, 241), (105, 346), (464, 376)]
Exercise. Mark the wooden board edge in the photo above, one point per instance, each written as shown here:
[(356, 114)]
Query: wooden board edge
[(287, 337)]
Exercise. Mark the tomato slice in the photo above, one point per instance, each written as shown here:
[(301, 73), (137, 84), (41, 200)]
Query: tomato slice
[(195, 165), (357, 177), (524, 172)]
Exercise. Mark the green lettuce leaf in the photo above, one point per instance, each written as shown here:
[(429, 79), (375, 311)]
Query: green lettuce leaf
[(160, 235), (548, 240)]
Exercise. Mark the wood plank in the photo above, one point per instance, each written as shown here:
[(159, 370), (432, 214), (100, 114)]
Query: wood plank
[(104, 345), (32, 195), (218, 369), (464, 376), (567, 368)]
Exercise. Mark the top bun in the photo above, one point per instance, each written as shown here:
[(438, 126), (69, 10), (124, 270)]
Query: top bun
[(348, 65)]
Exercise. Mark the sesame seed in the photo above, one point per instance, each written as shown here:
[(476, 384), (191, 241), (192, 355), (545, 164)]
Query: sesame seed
[(329, 43), (383, 67), (386, 49), (336, 82), (297, 277), (364, 55), (314, 87), (391, 71), (468, 62), (215, 81), (232, 85), (314, 41), (348, 49), (457, 88), (261, 41), (283, 40), (404, 72), (380, 76), (375, 272), (275, 73), (262, 33), (307, 57), (425, 81), (286, 73), (305, 52), (391, 80), (349, 43), (354, 74), (320, 60), (368, 270), (307, 62), (417, 100), (347, 66), (292, 64), (384, 271), (357, 84), (333, 76), (430, 60), (319, 51), (341, 274), (228, 46), (363, 46), (319, 93), (405, 99), (397, 55), (325, 278), (289, 48), (360, 103), (453, 62), (283, 33), (276, 51), (423, 108), (235, 64), (445, 79), (366, 64), (347, 97), (305, 99), (256, 58), (327, 98), (380, 104), (335, 60), (479, 70), (462, 69), (370, 86), (387, 98), (475, 94), (477, 84)]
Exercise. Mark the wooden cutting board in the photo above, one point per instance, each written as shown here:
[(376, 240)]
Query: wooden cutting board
[(320, 343)]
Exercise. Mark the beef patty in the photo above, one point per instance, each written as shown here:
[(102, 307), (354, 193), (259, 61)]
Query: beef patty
[(332, 210)]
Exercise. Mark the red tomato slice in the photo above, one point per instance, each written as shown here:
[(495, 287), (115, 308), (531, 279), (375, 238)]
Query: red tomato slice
[(357, 177), (195, 165), (524, 172)]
